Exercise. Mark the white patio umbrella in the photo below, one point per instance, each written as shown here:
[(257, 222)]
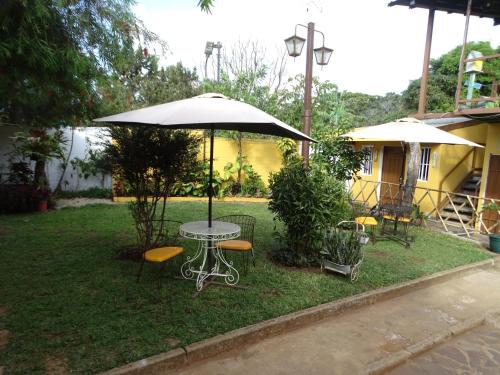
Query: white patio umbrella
[(208, 111), (407, 130)]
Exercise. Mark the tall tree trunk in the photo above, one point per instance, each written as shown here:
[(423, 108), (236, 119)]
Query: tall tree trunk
[(412, 173), (40, 178)]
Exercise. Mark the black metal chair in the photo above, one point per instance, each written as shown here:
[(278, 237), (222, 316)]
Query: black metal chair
[(168, 246), (244, 243)]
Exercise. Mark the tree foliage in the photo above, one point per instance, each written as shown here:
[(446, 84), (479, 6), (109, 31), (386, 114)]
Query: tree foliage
[(307, 201), (443, 76), (150, 160), (53, 53)]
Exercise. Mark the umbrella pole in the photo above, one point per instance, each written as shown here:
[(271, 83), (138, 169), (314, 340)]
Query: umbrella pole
[(210, 186)]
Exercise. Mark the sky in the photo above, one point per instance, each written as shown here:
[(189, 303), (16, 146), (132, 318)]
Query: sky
[(377, 49)]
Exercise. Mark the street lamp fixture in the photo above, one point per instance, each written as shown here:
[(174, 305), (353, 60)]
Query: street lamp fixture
[(209, 47), (323, 55), (294, 47)]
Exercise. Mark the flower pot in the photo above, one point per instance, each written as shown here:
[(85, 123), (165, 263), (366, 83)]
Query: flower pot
[(42, 205), (495, 242)]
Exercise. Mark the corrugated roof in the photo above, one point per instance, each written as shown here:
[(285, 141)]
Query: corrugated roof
[(437, 122), (480, 8)]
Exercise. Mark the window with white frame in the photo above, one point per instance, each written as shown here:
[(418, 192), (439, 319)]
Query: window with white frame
[(423, 172), (367, 166)]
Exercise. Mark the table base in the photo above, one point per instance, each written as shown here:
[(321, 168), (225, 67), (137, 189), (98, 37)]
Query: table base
[(231, 276)]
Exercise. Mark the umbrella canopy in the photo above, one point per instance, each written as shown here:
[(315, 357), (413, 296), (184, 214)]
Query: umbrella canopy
[(207, 111), (408, 130)]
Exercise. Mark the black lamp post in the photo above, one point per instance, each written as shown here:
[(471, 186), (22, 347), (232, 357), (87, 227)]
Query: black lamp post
[(294, 47)]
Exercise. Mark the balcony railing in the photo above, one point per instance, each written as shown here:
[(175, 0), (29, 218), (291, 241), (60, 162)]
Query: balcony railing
[(478, 87)]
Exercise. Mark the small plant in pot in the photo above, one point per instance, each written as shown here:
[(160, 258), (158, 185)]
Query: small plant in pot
[(494, 237), (342, 251)]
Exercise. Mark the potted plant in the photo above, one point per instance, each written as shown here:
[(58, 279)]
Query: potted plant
[(494, 237), (342, 251)]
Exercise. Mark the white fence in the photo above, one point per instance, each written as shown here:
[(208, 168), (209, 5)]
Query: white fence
[(78, 142)]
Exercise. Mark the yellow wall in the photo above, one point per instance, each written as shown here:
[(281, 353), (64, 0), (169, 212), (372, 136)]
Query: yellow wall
[(448, 156), (262, 154), (492, 147)]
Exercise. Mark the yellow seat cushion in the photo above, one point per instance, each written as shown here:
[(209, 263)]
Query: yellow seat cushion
[(237, 245), (400, 219), (366, 220), (162, 254)]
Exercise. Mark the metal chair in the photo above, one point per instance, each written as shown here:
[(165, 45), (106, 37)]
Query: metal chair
[(169, 237), (244, 243)]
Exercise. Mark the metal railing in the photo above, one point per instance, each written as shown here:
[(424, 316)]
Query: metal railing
[(461, 214)]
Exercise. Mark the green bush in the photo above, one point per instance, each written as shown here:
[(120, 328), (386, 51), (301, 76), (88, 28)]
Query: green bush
[(254, 186), (306, 201), (94, 192)]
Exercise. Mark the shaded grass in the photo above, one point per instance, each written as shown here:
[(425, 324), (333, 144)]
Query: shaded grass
[(66, 296)]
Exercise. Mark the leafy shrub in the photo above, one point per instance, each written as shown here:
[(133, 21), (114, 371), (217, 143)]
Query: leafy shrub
[(93, 192), (195, 182), (254, 186), (18, 198), (307, 201)]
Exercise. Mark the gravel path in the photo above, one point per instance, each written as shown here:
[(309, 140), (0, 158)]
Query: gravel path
[(78, 202)]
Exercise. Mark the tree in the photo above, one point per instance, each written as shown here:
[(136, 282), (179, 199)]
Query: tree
[(52, 55), (150, 160), (443, 76), (373, 109)]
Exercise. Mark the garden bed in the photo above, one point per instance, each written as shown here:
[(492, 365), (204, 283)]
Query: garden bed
[(64, 295)]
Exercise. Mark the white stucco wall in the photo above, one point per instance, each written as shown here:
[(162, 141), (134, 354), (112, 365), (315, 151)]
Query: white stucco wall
[(71, 181)]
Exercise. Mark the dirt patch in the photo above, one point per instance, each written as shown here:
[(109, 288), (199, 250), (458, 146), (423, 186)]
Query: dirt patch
[(56, 365), (3, 311), (130, 252), (79, 202), (379, 254), (4, 338)]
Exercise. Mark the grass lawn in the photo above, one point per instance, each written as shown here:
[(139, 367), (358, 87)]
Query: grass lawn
[(67, 303)]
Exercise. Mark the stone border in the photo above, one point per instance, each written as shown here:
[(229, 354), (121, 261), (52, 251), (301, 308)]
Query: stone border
[(247, 335)]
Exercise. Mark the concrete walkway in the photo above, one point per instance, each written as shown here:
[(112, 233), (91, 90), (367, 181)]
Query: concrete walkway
[(371, 338)]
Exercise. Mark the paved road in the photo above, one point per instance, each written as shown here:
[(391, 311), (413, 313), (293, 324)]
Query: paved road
[(350, 343), (474, 352)]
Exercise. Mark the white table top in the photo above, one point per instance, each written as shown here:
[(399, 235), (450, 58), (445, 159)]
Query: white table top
[(200, 230)]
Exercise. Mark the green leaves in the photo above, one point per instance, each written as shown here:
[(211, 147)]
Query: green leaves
[(306, 200)]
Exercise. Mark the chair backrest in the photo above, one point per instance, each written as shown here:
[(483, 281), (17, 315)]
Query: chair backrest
[(246, 222), (168, 231)]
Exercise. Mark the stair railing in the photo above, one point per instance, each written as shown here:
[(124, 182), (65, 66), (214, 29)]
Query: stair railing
[(441, 183)]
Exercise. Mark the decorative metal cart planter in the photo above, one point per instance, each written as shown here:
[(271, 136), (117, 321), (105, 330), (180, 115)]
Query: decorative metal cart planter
[(344, 269), (351, 270)]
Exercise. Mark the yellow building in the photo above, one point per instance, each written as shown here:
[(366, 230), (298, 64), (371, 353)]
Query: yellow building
[(454, 181)]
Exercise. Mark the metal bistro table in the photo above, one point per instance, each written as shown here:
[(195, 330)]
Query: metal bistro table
[(209, 261)]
